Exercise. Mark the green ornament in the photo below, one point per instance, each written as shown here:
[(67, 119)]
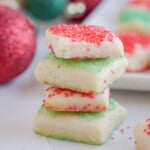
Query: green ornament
[(46, 9)]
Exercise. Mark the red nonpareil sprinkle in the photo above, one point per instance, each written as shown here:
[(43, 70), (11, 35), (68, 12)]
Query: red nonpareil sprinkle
[(148, 120), (112, 72), (89, 95), (98, 108), (80, 33), (43, 102), (50, 108), (68, 93), (52, 50), (87, 49), (130, 138), (110, 95), (89, 105), (147, 128), (122, 131), (48, 88), (130, 40), (148, 133), (84, 57), (128, 127), (105, 81), (112, 138)]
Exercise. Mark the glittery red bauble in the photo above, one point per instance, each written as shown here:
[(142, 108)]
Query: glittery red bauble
[(17, 43)]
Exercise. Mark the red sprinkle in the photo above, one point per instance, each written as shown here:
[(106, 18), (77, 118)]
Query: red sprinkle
[(43, 102), (112, 72), (128, 127), (130, 138), (52, 50), (122, 131), (131, 39), (110, 95), (80, 32), (105, 81), (85, 108), (147, 129), (68, 93), (148, 120), (112, 138), (148, 133)]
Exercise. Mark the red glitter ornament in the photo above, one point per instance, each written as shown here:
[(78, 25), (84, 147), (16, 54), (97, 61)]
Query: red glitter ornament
[(17, 43)]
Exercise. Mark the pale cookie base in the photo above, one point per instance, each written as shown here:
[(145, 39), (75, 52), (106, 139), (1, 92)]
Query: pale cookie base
[(80, 75), (142, 139), (91, 128), (66, 100)]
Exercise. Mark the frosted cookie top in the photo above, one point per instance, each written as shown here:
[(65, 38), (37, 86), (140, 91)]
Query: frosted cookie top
[(82, 41), (79, 33)]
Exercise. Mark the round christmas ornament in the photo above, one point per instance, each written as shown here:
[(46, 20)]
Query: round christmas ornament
[(79, 9), (46, 9), (17, 43)]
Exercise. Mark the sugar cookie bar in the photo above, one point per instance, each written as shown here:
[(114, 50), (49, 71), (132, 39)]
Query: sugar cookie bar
[(80, 75), (83, 41), (142, 135), (137, 50), (67, 100), (134, 19), (91, 128)]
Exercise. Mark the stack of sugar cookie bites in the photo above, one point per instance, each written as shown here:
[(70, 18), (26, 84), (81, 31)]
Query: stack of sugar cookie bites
[(133, 29), (83, 62)]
